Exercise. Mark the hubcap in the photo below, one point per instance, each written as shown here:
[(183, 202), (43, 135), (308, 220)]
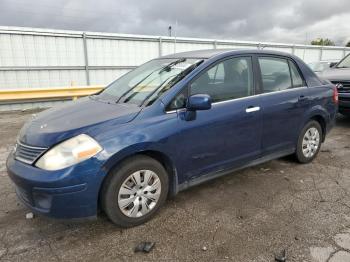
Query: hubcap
[(139, 193), (311, 142)]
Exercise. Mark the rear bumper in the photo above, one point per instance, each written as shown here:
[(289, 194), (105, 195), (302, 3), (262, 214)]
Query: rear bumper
[(65, 194)]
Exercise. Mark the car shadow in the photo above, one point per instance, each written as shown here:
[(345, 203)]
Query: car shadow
[(343, 121)]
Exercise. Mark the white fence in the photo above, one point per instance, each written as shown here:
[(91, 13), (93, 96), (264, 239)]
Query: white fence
[(34, 58)]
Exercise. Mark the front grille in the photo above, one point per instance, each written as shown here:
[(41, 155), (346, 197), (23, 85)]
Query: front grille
[(345, 86), (28, 154)]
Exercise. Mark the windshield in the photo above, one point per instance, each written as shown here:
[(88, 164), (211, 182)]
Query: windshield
[(345, 63), (147, 82)]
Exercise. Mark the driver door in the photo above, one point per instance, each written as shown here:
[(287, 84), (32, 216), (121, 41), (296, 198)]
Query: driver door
[(229, 134)]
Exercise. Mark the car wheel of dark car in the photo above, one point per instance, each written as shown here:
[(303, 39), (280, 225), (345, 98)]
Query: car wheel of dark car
[(309, 142), (134, 191)]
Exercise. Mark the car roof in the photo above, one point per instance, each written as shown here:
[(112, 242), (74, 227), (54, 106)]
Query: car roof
[(209, 53)]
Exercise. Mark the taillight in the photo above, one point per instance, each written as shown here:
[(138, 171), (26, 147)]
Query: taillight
[(335, 95)]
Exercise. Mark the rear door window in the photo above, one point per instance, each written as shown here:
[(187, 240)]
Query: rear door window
[(275, 74)]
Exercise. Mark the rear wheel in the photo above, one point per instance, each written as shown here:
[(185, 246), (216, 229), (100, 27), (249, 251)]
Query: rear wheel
[(309, 142), (133, 192)]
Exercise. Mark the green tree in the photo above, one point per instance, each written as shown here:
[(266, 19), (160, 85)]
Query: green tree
[(323, 42), (348, 44)]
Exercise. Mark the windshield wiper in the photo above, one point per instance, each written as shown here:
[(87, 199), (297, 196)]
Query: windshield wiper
[(170, 65), (187, 71), (129, 90), (176, 79), (165, 68), (343, 67)]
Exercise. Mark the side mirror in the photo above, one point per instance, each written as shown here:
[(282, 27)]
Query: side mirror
[(332, 64), (195, 103), (198, 102)]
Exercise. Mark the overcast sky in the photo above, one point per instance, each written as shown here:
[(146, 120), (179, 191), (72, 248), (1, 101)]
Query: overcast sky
[(295, 21)]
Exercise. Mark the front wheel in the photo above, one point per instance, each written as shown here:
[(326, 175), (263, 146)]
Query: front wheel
[(309, 142), (134, 191)]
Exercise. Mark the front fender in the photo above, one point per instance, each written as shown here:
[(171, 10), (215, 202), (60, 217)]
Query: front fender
[(150, 148), (134, 149)]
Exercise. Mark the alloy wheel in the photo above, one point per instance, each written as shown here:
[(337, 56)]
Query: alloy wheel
[(311, 142)]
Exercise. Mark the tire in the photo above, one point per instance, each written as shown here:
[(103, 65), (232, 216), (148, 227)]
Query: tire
[(123, 179), (301, 153)]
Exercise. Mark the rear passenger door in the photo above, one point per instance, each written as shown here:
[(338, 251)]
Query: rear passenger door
[(284, 99)]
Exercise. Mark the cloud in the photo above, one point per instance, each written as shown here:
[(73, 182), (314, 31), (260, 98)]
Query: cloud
[(296, 21)]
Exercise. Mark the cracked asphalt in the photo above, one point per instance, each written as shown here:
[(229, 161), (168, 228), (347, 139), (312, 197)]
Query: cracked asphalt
[(249, 215)]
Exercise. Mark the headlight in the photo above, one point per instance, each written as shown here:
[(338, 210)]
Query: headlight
[(69, 152)]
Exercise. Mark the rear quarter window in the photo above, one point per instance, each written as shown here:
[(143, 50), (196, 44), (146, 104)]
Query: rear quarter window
[(297, 79)]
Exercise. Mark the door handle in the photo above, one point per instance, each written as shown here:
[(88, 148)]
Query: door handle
[(252, 109)]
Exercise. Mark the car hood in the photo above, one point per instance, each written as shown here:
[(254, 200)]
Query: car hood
[(82, 116), (336, 74)]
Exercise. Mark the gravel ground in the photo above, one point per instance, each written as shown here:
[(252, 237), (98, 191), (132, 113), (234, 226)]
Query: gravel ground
[(248, 216)]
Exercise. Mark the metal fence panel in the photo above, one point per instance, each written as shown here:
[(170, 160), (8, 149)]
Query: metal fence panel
[(171, 47), (29, 50), (109, 52), (34, 58), (41, 78), (105, 76), (308, 54), (281, 49), (332, 54), (235, 46)]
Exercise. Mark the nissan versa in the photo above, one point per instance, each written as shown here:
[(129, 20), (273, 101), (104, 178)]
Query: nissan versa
[(171, 123)]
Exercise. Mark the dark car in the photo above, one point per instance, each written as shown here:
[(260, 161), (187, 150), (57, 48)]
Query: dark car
[(339, 75), (172, 123)]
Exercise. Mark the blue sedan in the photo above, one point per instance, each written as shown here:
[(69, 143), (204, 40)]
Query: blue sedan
[(171, 123)]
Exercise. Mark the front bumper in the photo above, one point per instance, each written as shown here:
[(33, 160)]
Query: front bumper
[(344, 103), (64, 194)]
